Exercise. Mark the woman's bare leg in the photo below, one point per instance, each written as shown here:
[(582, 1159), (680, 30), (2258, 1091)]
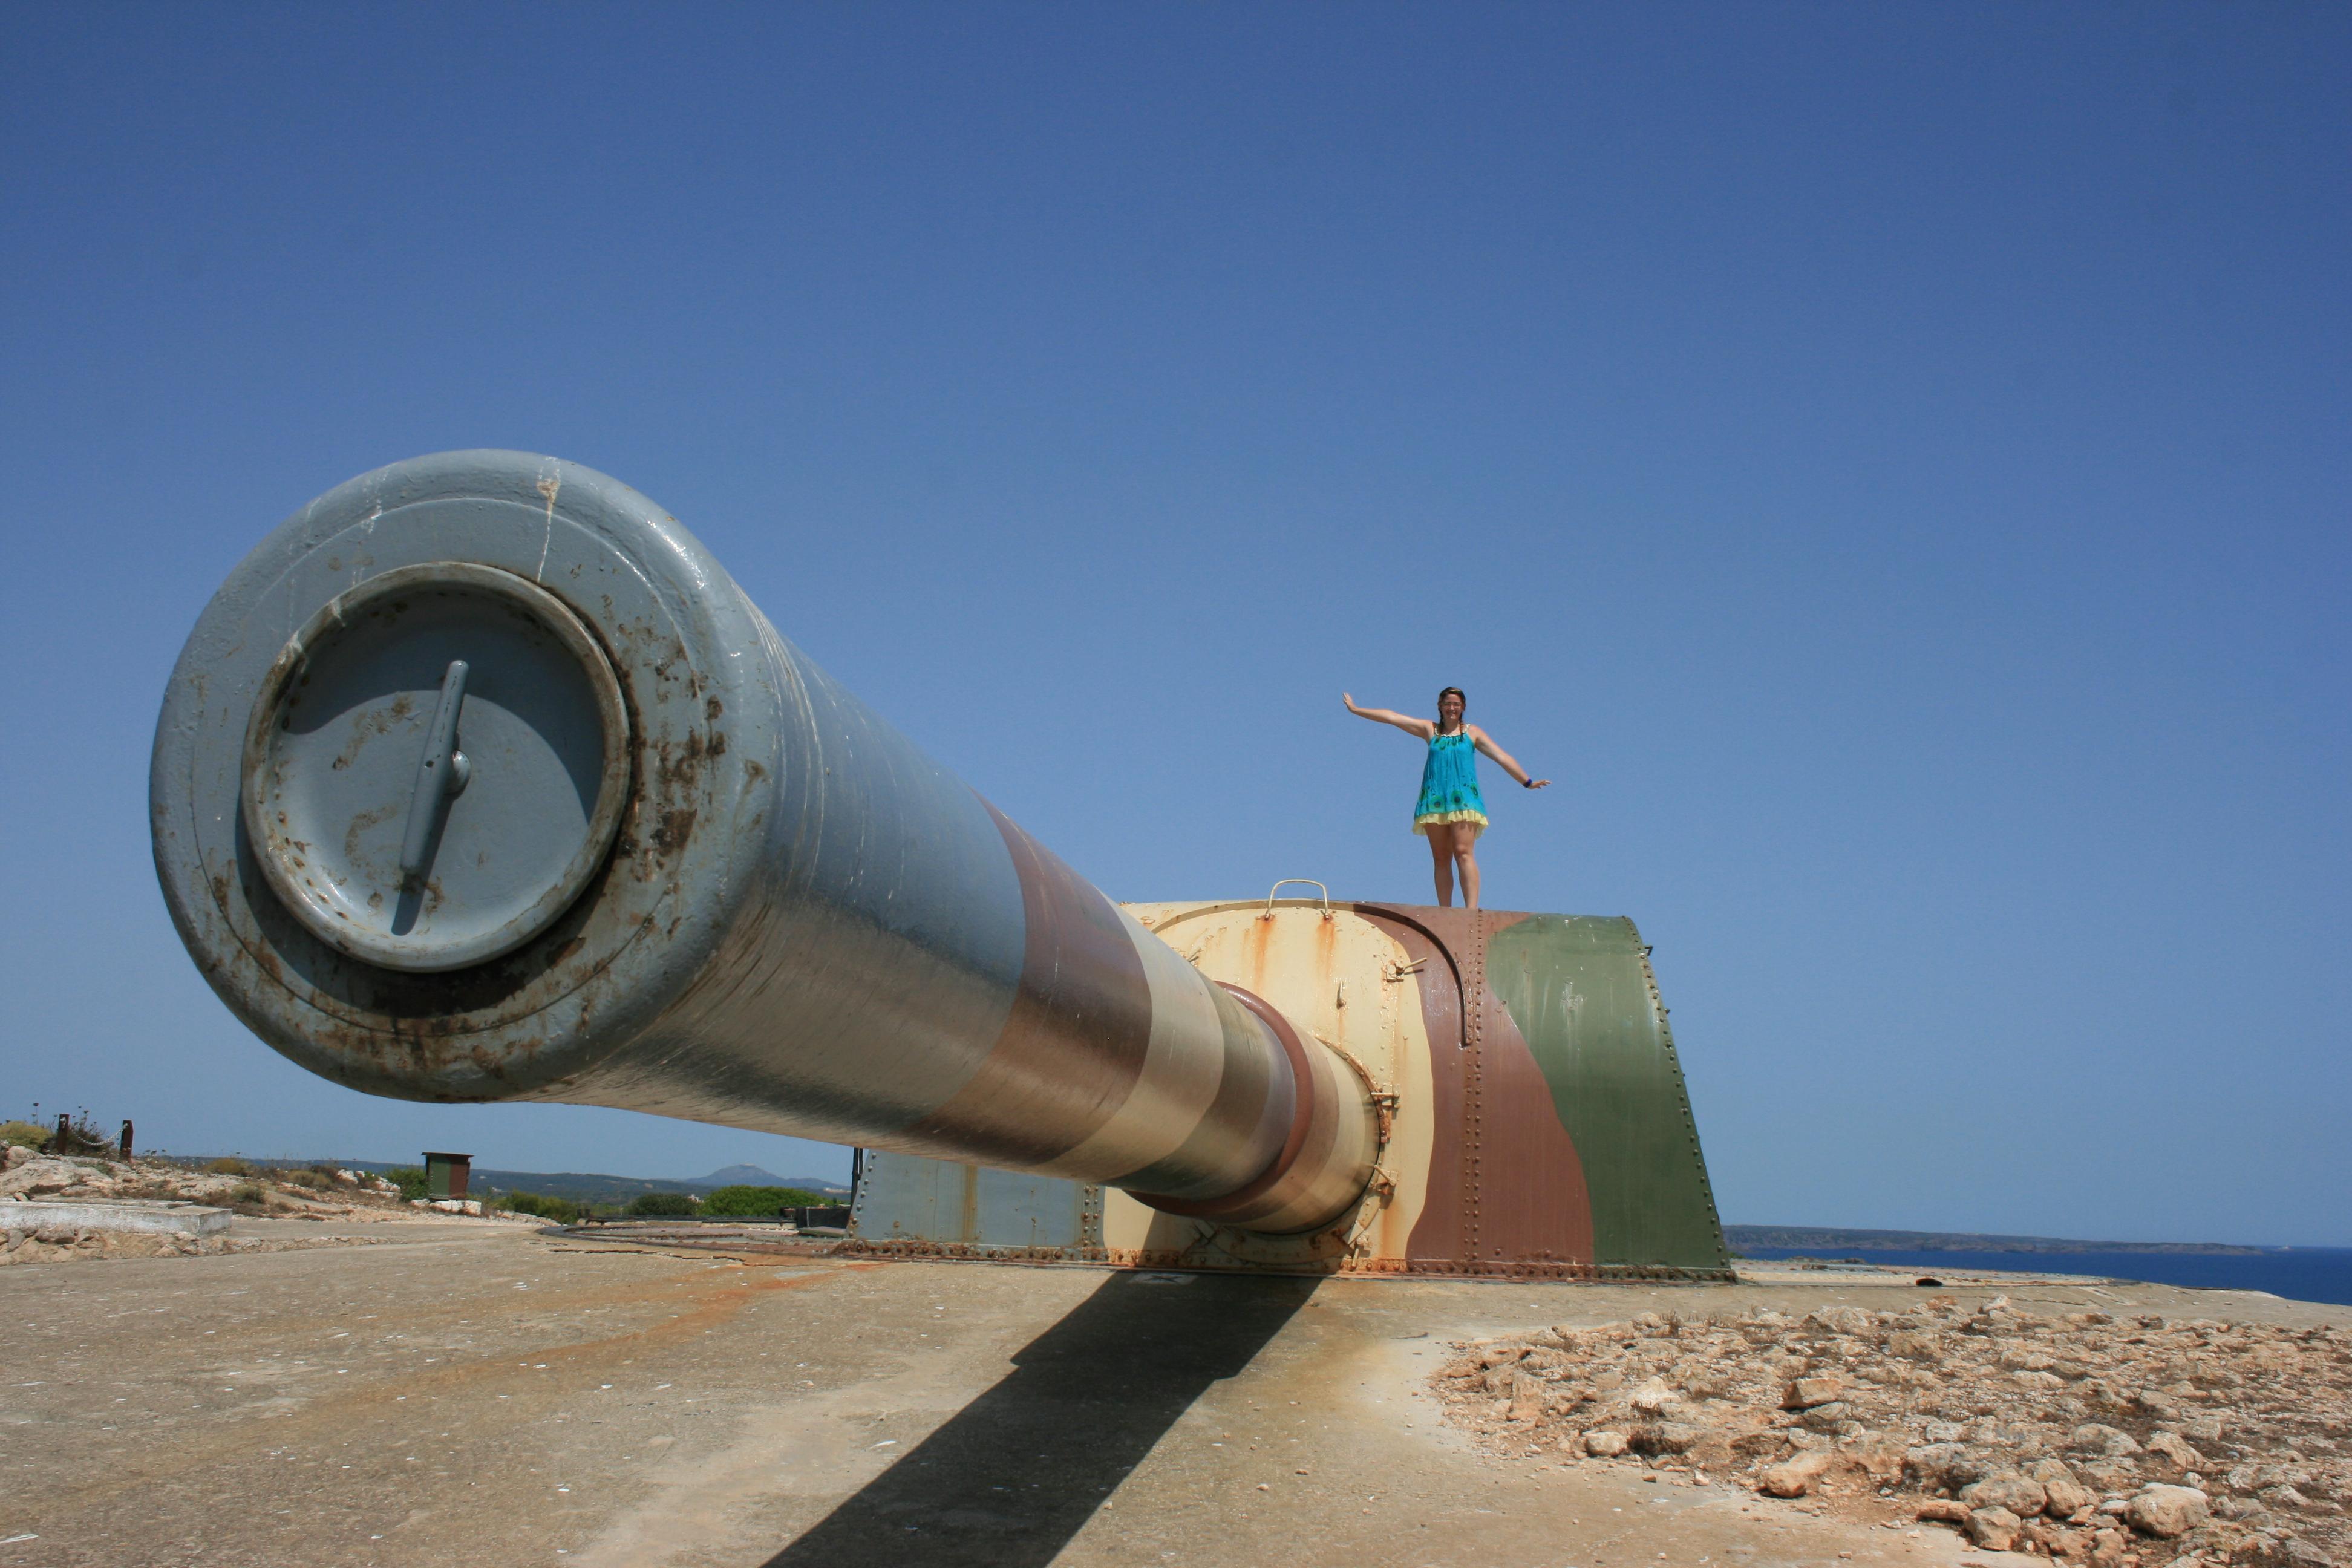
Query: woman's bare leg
[(1466, 854), (1441, 856)]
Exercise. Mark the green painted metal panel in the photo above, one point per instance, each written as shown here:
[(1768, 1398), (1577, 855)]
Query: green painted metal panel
[(1580, 990)]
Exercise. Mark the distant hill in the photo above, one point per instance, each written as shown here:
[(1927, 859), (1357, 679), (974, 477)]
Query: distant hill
[(753, 1176), (582, 1186), (1742, 1236), (748, 1177), (587, 1187)]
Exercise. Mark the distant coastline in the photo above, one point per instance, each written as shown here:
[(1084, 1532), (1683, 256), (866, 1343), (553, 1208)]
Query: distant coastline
[(1742, 1237)]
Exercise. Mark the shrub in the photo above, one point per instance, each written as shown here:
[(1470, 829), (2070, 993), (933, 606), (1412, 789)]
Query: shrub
[(25, 1135), (562, 1211), (663, 1204), (80, 1136), (230, 1165), (762, 1201), (249, 1196), (313, 1180), (409, 1179)]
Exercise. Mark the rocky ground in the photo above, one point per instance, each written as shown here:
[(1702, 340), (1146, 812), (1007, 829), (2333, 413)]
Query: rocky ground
[(342, 1196), (66, 1244), (2117, 1442)]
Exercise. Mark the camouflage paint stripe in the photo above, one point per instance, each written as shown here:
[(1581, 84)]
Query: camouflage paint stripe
[(1118, 1055), (1073, 1047), (1327, 1150), (1181, 1082), (1578, 987), (1249, 1196), (1438, 1236), (1336, 1160), (1256, 1093), (1532, 1201)]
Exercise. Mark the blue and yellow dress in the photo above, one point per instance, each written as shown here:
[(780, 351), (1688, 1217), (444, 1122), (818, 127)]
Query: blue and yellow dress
[(1449, 784)]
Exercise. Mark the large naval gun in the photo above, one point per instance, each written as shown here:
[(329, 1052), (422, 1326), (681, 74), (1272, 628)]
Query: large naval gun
[(479, 779)]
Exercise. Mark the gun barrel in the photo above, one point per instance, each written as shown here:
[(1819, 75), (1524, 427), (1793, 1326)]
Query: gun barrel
[(479, 779)]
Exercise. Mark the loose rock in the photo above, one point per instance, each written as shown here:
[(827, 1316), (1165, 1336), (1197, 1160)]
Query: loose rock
[(2168, 1510), (2071, 1433), (2093, 1438), (1943, 1467), (1808, 1392), (2019, 1494), (1796, 1476), (1993, 1528)]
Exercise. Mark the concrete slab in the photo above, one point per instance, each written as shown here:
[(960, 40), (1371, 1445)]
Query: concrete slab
[(114, 1214), (467, 1394)]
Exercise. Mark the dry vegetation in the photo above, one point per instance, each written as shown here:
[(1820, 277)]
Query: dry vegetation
[(231, 1182)]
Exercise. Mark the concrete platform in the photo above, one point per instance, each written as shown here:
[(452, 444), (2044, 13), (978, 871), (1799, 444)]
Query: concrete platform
[(114, 1214), (462, 1393)]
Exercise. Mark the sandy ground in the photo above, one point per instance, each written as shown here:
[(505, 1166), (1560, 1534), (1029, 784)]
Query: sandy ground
[(464, 1391)]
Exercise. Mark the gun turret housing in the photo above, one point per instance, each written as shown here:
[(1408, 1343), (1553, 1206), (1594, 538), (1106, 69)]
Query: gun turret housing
[(479, 779)]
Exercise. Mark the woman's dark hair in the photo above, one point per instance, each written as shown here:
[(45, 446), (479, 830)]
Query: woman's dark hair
[(1455, 691)]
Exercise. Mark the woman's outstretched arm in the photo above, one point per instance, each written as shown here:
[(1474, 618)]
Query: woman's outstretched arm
[(1510, 765), (1421, 728)]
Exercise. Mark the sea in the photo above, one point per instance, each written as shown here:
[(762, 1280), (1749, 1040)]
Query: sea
[(2302, 1273)]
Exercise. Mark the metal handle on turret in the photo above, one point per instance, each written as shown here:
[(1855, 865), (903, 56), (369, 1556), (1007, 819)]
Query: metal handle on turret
[(1302, 881)]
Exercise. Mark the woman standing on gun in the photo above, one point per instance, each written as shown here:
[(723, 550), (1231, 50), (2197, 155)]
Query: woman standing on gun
[(1450, 811)]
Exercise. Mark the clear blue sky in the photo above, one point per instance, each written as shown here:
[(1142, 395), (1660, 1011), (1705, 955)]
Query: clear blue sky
[(1889, 463)]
